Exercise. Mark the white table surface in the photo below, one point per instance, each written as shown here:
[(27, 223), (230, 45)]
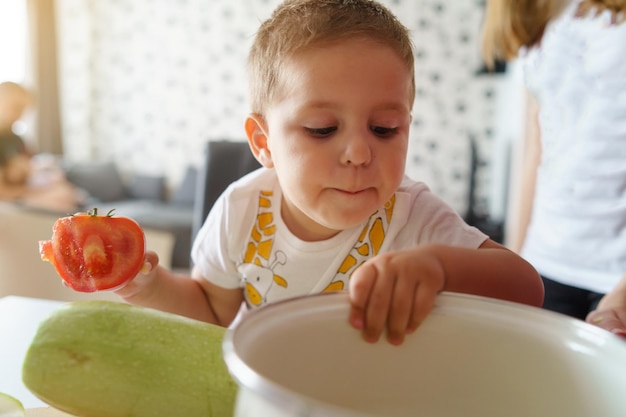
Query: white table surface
[(19, 319)]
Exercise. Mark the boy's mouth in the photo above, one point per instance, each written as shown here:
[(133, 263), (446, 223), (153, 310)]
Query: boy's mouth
[(350, 191)]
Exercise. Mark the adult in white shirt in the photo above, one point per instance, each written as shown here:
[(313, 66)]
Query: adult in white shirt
[(572, 222)]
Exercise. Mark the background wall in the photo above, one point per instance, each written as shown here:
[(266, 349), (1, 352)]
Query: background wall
[(147, 82)]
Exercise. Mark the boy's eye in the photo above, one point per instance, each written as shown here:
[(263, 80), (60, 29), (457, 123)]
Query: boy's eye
[(321, 132), (383, 131)]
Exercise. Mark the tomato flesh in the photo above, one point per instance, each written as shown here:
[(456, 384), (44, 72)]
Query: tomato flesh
[(94, 253)]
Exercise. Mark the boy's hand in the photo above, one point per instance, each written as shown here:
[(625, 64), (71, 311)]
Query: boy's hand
[(396, 291), (141, 280), (95, 252)]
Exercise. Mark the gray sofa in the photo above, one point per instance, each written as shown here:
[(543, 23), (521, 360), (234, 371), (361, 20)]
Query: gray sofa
[(143, 198)]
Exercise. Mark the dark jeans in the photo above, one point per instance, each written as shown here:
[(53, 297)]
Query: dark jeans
[(572, 301)]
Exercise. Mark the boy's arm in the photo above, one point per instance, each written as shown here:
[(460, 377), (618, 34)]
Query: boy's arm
[(194, 297), (397, 290), (491, 271)]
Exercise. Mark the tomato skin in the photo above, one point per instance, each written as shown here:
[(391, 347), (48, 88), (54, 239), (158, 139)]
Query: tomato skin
[(95, 252)]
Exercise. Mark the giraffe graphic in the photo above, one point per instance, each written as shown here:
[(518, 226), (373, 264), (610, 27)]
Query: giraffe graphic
[(257, 268)]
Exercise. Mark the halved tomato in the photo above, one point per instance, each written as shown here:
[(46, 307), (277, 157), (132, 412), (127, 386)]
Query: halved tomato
[(92, 252)]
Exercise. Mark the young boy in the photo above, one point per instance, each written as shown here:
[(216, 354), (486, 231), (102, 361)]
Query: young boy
[(332, 87)]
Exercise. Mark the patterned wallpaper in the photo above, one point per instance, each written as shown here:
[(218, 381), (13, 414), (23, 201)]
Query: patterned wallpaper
[(147, 82)]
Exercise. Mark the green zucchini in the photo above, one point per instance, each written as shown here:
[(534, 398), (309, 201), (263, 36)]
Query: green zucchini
[(110, 359)]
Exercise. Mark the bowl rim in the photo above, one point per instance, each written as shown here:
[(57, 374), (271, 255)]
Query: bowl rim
[(445, 303)]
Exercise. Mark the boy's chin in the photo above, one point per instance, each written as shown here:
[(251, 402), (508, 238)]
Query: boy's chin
[(347, 222)]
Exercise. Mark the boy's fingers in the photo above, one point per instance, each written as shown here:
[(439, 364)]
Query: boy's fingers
[(369, 297), (150, 260), (401, 310), (425, 299), (146, 268), (379, 303), (360, 287)]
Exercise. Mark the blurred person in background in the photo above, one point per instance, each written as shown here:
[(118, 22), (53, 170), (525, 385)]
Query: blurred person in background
[(572, 222), (35, 182)]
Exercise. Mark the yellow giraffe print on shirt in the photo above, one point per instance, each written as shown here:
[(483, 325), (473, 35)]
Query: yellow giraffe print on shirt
[(367, 245), (259, 274), (262, 235)]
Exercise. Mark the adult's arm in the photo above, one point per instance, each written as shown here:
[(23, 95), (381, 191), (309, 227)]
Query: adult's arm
[(523, 194)]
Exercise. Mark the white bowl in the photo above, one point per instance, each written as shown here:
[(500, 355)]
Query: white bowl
[(473, 356)]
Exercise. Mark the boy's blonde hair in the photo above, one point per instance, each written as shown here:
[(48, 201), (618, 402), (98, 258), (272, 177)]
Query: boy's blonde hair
[(299, 24), (511, 24)]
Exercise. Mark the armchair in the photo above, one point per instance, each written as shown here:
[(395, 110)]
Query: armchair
[(224, 163)]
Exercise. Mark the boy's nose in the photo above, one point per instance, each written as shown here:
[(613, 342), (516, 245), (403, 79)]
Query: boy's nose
[(356, 151)]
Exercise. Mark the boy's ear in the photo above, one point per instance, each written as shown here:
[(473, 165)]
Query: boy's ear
[(256, 130)]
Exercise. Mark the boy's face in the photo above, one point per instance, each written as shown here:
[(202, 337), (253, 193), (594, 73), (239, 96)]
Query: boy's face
[(337, 135)]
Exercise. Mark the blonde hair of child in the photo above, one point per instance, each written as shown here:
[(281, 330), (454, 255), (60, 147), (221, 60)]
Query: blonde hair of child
[(512, 24), (300, 24)]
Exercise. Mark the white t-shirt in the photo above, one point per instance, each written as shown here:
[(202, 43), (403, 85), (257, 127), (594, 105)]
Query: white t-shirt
[(577, 234), (244, 242)]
